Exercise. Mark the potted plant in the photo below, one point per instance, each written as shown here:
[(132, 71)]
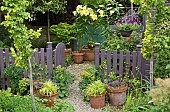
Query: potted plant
[(127, 24), (49, 91), (96, 92), (116, 88), (64, 33), (89, 51)]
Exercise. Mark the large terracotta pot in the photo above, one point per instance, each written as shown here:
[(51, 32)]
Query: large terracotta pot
[(88, 54), (117, 96), (78, 57), (50, 98), (97, 101)]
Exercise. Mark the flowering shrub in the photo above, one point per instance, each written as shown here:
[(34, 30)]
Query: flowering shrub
[(128, 23)]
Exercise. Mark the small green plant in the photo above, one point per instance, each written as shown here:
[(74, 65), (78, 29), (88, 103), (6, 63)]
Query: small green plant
[(68, 60), (96, 88), (64, 33), (24, 86), (49, 88), (63, 78), (14, 74), (63, 106)]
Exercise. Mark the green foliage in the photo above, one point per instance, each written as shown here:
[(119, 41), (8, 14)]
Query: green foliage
[(24, 86), (64, 33), (121, 43), (63, 106), (162, 60), (14, 74), (55, 6), (96, 88), (16, 14), (63, 78), (10, 103), (48, 88), (68, 60)]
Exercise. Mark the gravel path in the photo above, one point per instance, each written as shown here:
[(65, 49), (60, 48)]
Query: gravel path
[(75, 97)]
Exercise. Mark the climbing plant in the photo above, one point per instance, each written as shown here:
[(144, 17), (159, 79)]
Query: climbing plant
[(22, 36), (156, 36)]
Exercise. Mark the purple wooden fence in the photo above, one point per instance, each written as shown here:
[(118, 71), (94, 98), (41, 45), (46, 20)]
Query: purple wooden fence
[(115, 61), (45, 57)]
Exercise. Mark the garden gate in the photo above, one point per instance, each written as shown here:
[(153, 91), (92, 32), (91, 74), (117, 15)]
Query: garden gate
[(45, 57)]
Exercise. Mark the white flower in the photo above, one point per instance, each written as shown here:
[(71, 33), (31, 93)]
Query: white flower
[(93, 16), (74, 13), (112, 12), (101, 13)]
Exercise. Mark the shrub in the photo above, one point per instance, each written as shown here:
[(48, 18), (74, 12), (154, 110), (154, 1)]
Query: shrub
[(63, 78), (14, 74), (162, 61)]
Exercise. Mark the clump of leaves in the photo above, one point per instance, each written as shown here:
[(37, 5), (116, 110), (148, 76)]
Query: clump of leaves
[(63, 78), (24, 86)]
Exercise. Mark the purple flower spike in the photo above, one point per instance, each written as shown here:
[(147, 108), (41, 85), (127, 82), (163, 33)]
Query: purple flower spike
[(110, 85), (39, 85)]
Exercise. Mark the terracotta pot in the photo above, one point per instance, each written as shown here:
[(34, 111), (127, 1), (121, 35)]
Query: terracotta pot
[(50, 98), (117, 96), (78, 57), (88, 54), (97, 101), (126, 33), (66, 52)]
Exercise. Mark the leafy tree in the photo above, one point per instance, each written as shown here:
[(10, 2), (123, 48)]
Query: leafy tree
[(55, 6), (157, 29), (22, 36)]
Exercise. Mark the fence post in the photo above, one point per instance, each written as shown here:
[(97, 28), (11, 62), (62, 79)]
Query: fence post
[(97, 46), (49, 44), (140, 58), (59, 54)]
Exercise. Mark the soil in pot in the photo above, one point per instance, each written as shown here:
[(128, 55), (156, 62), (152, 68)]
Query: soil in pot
[(97, 101), (117, 96), (126, 33), (78, 57)]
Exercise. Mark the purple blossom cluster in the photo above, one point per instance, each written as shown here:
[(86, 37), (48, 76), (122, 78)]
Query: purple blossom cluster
[(131, 19)]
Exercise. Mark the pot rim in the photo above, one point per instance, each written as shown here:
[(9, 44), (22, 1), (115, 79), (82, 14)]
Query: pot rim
[(117, 90)]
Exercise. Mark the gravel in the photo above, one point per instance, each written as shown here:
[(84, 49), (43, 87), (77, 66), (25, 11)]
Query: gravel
[(75, 97)]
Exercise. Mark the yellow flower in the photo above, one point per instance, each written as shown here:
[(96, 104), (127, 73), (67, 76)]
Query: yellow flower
[(79, 8), (85, 12), (74, 13), (90, 11), (101, 13), (94, 17)]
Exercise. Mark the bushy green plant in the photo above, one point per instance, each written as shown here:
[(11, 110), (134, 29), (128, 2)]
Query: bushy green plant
[(121, 43), (63, 78), (162, 60), (63, 106), (68, 60), (48, 88), (24, 86), (14, 74), (96, 88), (10, 103), (64, 33)]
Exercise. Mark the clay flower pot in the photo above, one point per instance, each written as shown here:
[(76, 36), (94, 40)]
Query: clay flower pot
[(117, 96), (88, 54), (50, 98), (78, 57), (66, 52), (97, 101)]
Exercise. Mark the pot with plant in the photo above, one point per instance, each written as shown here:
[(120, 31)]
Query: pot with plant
[(64, 33), (116, 88), (89, 51), (96, 91), (49, 91), (127, 24)]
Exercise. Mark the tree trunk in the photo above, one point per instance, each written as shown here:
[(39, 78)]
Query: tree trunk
[(48, 29), (151, 71), (31, 87)]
